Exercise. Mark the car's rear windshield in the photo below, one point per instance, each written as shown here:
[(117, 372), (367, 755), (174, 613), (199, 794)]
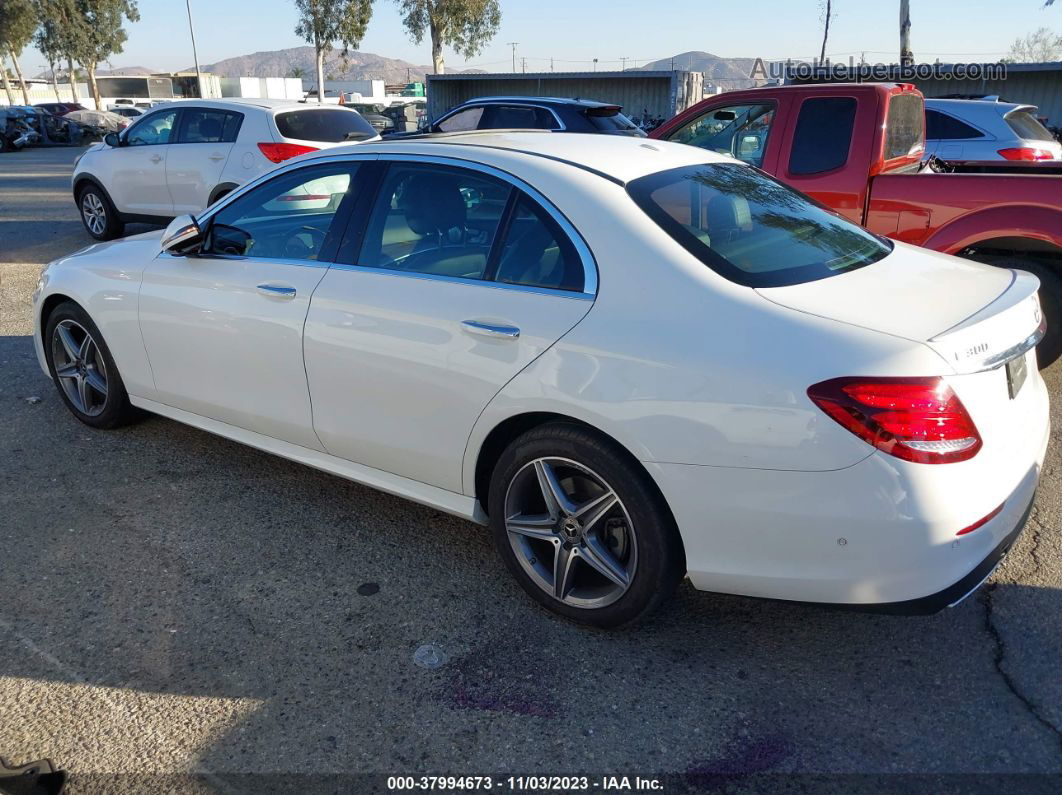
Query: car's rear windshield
[(904, 126), (751, 228), (1027, 126), (324, 124), (610, 121)]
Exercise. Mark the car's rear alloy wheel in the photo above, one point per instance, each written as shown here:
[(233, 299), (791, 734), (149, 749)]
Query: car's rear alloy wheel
[(582, 527), (84, 370), (570, 532)]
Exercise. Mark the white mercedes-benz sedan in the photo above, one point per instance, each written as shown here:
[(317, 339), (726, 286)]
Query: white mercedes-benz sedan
[(634, 360)]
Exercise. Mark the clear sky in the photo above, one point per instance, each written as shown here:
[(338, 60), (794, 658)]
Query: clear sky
[(575, 31)]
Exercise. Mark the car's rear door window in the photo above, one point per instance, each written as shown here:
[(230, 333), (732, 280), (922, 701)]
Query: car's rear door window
[(536, 252), (209, 126), (823, 135), (331, 125), (752, 229), (516, 117), (435, 220)]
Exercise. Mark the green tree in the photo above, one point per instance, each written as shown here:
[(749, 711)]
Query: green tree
[(464, 25), (324, 22), (97, 34), (17, 22), (297, 72), (50, 41), (1042, 44)]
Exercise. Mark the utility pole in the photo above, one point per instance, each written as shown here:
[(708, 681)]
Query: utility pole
[(513, 45), (595, 64), (551, 64), (906, 56), (195, 56), (523, 65), (624, 62)]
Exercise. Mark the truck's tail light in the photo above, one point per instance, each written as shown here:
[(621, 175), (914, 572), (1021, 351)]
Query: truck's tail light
[(1026, 153), (916, 419), (278, 153)]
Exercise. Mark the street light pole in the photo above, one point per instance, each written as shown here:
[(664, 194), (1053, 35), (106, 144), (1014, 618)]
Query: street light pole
[(195, 56)]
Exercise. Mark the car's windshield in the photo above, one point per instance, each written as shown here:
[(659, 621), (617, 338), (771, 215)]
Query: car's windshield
[(751, 228)]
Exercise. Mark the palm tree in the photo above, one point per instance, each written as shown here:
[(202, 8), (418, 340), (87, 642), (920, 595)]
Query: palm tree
[(297, 71)]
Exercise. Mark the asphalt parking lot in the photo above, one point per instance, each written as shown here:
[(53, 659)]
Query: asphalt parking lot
[(172, 602)]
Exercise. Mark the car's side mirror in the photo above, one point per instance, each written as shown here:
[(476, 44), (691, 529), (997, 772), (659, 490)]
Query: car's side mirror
[(182, 235), (112, 139)]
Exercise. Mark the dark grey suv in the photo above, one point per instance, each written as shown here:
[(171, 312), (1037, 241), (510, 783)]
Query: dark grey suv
[(536, 113)]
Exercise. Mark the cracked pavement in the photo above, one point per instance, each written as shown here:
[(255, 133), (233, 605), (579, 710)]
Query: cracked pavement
[(174, 602)]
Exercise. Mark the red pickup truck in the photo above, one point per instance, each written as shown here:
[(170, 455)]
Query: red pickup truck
[(857, 148)]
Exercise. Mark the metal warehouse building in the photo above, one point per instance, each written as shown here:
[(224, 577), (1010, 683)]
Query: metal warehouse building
[(656, 94), (1037, 84)]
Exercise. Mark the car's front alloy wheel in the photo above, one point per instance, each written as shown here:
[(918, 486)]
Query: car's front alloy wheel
[(84, 370), (98, 214), (582, 527)]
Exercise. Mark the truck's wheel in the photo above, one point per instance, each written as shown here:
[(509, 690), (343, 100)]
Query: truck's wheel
[(1050, 348)]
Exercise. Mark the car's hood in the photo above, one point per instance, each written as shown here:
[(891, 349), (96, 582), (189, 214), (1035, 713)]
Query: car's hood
[(133, 252), (969, 313)]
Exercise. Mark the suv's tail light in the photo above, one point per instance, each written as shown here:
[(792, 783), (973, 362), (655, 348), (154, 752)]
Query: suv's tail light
[(916, 419), (1026, 153), (278, 153)]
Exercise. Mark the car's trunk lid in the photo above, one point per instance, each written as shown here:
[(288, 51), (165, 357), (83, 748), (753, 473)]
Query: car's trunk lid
[(975, 316)]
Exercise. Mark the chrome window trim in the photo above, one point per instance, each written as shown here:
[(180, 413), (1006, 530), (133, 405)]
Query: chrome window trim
[(511, 102), (297, 263), (472, 282), (586, 256)]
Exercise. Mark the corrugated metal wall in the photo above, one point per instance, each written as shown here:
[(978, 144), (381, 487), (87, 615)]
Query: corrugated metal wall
[(1041, 88), (656, 93)]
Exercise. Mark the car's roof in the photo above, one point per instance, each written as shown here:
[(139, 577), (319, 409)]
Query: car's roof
[(576, 101), (619, 158), (976, 106), (235, 103)]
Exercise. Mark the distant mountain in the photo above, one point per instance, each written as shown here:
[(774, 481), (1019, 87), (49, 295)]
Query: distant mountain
[(126, 70), (729, 73), (356, 66)]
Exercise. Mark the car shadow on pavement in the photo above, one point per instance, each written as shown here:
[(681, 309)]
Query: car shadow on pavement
[(244, 614)]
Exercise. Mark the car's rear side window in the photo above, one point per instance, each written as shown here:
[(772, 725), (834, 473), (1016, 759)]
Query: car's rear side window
[(942, 127), (751, 228), (324, 124), (823, 135), (1028, 126)]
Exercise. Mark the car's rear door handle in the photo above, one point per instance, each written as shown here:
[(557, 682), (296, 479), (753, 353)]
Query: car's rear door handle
[(216, 157), (156, 158), (277, 290), (490, 329)]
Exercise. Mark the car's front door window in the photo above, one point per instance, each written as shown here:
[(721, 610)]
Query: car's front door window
[(289, 217), (158, 128), (737, 130)]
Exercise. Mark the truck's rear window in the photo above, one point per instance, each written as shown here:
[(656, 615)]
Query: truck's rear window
[(324, 124), (751, 228), (904, 126)]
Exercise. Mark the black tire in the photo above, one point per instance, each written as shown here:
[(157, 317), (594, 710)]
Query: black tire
[(660, 561), (1050, 347), (93, 202), (110, 412)]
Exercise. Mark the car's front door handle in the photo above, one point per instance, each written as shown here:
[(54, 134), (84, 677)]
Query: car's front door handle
[(216, 157), (156, 158), (490, 329), (277, 290)]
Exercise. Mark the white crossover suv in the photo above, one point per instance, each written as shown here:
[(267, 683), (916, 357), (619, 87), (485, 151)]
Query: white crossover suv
[(183, 156), (635, 360)]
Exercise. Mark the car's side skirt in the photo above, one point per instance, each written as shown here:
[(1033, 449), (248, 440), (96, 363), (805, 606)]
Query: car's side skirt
[(448, 501)]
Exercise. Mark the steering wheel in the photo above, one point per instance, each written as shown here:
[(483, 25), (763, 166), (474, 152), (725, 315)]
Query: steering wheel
[(294, 247)]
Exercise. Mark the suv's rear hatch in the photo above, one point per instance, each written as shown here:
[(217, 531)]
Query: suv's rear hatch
[(975, 316)]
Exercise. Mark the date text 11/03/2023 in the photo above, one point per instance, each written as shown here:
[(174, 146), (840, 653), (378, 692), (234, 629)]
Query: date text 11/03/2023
[(526, 783)]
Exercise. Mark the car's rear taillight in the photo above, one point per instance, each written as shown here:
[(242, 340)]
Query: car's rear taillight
[(278, 153), (1026, 153), (916, 419)]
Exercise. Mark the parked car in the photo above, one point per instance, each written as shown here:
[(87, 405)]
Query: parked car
[(968, 129), (129, 111), (15, 133), (49, 129), (635, 362), (857, 149), (60, 108), (182, 157), (373, 113), (537, 113)]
